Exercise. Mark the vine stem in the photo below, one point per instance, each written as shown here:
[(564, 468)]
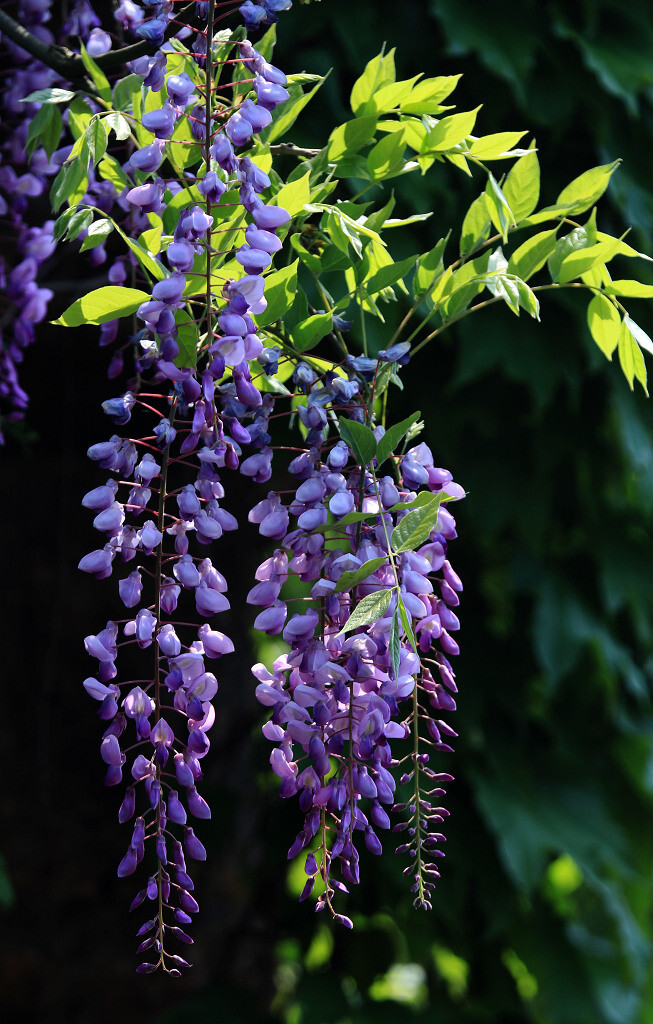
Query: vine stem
[(157, 669)]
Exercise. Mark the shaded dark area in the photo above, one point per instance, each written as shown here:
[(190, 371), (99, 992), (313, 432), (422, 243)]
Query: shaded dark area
[(544, 910)]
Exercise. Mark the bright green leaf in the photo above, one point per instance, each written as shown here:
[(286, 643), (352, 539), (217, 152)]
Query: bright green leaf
[(631, 358), (491, 147), (49, 96), (378, 72), (476, 225), (426, 96), (97, 234), (187, 339), (385, 159), (394, 645), (295, 195), (96, 74), (101, 305), (604, 323), (532, 254), (584, 190), (280, 289), (522, 186), (450, 131), (118, 124), (347, 139), (307, 334), (582, 260), (630, 289)]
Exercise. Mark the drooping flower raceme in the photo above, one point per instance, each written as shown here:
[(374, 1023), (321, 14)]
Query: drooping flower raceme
[(340, 701)]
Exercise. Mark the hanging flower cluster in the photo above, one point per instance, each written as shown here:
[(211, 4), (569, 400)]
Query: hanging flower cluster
[(338, 702)]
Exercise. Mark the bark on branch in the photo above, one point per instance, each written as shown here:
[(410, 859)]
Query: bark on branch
[(70, 65)]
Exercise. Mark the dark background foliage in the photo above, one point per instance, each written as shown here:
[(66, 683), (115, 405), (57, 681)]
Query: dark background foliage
[(543, 913)]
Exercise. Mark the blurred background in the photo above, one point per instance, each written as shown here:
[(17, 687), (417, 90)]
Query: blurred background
[(543, 914)]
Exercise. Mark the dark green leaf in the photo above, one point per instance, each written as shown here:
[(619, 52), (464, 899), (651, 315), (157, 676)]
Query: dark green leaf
[(392, 438), (187, 339), (406, 623), (96, 139), (371, 608), (45, 130), (66, 182), (416, 526), (352, 577), (394, 645), (387, 276), (360, 439)]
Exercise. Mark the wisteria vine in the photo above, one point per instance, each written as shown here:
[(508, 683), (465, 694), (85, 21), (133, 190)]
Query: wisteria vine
[(166, 174)]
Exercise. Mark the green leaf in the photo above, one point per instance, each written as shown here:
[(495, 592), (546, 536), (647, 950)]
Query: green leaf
[(71, 222), (352, 577), (294, 196), (118, 124), (416, 526), (96, 75), (450, 131), (522, 186), (79, 116), (528, 300), (360, 439), (476, 225), (371, 608), (389, 275), (532, 254), (151, 239), (347, 139), (124, 91), (631, 358), (429, 267), (97, 234), (584, 190), (604, 323), (390, 96), (576, 239), (280, 289), (393, 436), (630, 289), (101, 305), (287, 113), (491, 147), (499, 208), (96, 139), (582, 260), (44, 130), (187, 339), (110, 170), (385, 159), (66, 182), (426, 96), (49, 96), (406, 623), (641, 337), (308, 333), (394, 645), (378, 72)]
